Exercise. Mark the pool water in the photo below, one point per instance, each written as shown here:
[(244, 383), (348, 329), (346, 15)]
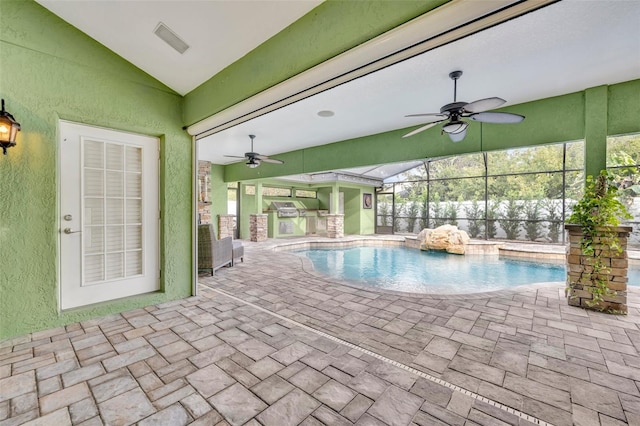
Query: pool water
[(416, 271)]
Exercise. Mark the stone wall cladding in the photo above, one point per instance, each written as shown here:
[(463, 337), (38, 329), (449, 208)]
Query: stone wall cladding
[(335, 225), (204, 192), (579, 266), (225, 225), (258, 227)]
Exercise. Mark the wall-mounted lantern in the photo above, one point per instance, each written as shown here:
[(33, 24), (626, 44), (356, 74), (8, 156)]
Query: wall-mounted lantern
[(9, 128)]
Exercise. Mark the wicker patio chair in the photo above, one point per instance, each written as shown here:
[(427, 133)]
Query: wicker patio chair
[(238, 252), (213, 253)]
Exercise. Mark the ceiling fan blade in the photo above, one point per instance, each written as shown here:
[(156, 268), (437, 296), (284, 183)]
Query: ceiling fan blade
[(422, 129), (234, 156), (457, 137), (434, 114), (484, 104), (270, 160), (497, 117)]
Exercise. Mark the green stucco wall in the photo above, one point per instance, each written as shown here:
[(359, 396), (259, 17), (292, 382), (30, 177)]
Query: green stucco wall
[(51, 71), (357, 220), (247, 207), (595, 132), (331, 28), (623, 109), (352, 206)]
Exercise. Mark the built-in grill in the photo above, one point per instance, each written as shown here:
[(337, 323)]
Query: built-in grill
[(285, 208)]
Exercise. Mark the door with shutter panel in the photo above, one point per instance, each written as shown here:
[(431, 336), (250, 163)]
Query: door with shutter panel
[(109, 215)]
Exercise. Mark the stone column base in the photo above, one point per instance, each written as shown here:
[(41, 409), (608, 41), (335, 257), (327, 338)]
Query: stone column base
[(225, 225), (335, 225), (580, 279), (258, 227)]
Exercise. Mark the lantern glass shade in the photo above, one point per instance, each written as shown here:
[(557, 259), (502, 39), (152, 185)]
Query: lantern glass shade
[(455, 126), (9, 128)]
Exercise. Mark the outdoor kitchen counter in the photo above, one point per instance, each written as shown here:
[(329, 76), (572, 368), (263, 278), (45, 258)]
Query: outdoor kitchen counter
[(306, 222)]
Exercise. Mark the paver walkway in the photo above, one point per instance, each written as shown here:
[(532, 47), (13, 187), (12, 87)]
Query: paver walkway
[(214, 359)]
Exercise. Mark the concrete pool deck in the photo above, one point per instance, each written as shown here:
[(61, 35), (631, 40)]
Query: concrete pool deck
[(270, 342)]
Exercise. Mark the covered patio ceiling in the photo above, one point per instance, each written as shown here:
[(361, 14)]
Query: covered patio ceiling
[(567, 46), (562, 48)]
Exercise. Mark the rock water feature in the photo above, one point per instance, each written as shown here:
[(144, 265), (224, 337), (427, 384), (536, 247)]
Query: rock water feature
[(445, 238)]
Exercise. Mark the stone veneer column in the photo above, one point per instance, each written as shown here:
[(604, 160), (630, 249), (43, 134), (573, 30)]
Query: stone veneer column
[(225, 225), (335, 225), (204, 191), (578, 268), (258, 227)]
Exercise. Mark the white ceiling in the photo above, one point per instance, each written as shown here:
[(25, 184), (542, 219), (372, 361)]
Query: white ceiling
[(566, 47), (219, 32)]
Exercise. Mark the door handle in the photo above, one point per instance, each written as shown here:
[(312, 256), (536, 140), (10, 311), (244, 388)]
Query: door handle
[(70, 231)]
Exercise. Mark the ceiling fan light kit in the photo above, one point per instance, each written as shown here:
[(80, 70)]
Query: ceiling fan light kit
[(254, 159), (457, 137), (453, 113), (455, 127)]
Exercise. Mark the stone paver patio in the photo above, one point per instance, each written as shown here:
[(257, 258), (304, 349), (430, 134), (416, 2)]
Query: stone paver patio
[(288, 346)]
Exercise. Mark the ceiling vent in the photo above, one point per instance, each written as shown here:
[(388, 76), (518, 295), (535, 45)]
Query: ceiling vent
[(170, 38)]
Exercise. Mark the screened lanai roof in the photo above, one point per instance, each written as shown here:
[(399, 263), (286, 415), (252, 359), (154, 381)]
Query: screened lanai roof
[(374, 175)]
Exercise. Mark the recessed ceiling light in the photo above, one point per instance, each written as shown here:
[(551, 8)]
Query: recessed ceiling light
[(326, 113)]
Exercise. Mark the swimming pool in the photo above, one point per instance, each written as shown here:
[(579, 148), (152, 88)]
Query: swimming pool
[(416, 271)]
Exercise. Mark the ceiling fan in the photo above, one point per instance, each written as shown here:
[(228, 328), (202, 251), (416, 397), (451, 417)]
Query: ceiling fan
[(254, 159), (453, 113)]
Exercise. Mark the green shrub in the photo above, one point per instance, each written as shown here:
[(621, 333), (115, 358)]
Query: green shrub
[(553, 219), (533, 227), (475, 217), (492, 218), (510, 219)]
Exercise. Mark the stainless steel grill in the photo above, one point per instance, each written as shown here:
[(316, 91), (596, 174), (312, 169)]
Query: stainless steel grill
[(285, 208)]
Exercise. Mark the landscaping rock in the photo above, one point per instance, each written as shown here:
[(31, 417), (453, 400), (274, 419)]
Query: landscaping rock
[(446, 237)]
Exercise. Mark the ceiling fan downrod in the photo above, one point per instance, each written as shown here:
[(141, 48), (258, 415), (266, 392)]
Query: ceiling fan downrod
[(455, 75)]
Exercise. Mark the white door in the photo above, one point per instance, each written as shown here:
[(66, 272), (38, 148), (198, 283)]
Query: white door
[(109, 215)]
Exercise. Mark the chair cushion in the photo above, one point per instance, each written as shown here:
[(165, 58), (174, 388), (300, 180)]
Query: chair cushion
[(238, 249)]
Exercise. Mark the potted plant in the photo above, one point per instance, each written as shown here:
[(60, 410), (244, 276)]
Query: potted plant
[(596, 256)]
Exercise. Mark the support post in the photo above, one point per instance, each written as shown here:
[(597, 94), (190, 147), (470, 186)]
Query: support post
[(595, 130)]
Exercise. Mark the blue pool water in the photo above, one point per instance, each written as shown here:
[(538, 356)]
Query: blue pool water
[(416, 271)]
